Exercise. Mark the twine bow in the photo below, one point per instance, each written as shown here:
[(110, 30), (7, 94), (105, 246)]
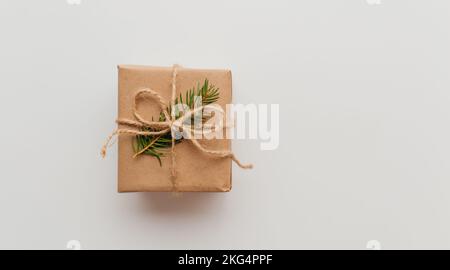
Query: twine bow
[(169, 125)]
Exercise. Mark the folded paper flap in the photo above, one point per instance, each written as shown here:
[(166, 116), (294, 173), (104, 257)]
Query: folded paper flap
[(196, 170), (180, 68)]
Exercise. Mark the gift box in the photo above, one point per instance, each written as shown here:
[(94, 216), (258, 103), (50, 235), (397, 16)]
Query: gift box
[(195, 169)]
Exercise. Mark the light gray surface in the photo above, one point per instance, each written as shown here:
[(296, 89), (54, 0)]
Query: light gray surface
[(364, 100)]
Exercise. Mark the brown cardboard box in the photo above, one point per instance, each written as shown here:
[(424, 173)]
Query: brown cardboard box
[(196, 171)]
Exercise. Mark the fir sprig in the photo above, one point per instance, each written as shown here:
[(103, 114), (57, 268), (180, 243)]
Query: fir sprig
[(158, 145)]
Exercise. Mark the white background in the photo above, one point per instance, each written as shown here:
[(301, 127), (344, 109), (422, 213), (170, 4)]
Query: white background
[(364, 130)]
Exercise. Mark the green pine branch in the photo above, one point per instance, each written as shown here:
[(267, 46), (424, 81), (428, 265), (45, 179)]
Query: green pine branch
[(159, 145)]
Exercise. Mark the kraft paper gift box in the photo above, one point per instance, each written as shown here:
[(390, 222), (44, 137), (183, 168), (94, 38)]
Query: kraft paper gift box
[(195, 170)]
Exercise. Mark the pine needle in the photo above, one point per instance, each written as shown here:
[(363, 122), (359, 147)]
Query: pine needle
[(157, 146)]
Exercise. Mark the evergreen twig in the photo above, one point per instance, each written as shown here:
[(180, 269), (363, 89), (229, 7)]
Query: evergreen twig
[(157, 146)]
